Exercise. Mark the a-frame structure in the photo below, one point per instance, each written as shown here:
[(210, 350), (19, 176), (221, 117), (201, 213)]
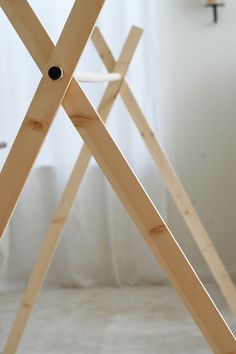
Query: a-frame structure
[(58, 86)]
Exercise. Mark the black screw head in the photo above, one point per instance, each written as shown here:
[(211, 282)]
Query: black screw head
[(55, 73)]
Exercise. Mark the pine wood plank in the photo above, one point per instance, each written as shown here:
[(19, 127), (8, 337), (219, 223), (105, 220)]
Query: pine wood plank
[(54, 233), (172, 181), (151, 225), (46, 100), (146, 217)]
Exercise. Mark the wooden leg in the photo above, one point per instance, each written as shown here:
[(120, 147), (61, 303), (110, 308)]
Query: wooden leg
[(46, 101), (150, 224), (172, 181), (59, 219), (183, 203), (139, 206)]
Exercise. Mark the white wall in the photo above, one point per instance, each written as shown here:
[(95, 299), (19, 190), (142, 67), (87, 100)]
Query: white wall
[(196, 68)]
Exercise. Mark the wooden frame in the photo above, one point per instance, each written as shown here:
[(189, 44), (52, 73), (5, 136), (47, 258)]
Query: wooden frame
[(61, 214), (171, 180), (88, 123)]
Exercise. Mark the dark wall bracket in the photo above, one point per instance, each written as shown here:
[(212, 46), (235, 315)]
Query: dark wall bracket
[(2, 145), (215, 10)]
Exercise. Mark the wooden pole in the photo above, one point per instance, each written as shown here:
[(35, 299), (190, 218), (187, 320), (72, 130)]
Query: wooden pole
[(44, 105), (172, 181), (163, 245), (54, 233)]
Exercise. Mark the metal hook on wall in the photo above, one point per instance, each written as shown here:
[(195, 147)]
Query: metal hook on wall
[(214, 4), (2, 145)]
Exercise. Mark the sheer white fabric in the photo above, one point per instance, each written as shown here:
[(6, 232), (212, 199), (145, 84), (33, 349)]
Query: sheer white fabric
[(100, 244)]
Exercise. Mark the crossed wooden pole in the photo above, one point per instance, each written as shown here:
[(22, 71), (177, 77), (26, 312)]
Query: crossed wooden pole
[(63, 89)]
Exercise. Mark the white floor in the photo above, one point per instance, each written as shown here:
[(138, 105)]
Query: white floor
[(144, 320)]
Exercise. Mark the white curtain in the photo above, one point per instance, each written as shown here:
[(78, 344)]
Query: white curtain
[(100, 244)]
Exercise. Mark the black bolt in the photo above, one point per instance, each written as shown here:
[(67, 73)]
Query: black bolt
[(55, 73)]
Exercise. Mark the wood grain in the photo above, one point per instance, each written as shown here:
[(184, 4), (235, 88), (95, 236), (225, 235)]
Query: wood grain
[(139, 206), (172, 181), (61, 214), (46, 100)]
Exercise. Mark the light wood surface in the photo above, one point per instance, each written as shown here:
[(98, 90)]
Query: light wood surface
[(214, 2), (61, 214), (138, 204), (172, 181), (150, 224), (44, 105)]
